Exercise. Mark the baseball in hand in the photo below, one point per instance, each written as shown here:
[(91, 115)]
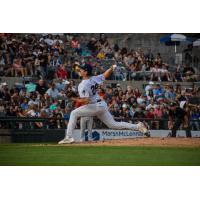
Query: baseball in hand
[(77, 68), (114, 67)]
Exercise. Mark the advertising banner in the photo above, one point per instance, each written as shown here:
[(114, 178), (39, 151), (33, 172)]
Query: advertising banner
[(109, 134)]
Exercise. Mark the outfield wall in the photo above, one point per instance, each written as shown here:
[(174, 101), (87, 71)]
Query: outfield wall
[(55, 135)]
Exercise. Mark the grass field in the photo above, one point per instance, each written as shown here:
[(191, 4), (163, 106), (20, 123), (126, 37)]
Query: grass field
[(43, 155)]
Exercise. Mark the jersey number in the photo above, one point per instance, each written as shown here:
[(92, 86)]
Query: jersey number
[(94, 88)]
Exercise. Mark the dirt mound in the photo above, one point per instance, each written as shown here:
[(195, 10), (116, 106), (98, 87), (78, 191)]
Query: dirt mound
[(174, 142), (165, 142)]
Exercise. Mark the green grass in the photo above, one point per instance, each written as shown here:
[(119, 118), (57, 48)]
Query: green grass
[(26, 154)]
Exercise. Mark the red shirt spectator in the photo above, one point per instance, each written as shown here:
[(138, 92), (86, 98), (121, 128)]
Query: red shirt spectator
[(61, 72), (158, 112), (150, 114), (74, 43)]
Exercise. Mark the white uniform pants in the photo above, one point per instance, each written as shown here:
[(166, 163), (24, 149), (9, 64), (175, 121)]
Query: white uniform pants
[(86, 123), (100, 110)]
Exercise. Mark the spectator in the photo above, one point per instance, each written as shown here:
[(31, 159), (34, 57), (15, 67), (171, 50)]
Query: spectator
[(158, 91), (169, 93), (155, 75), (151, 105), (188, 73), (61, 72), (41, 88), (177, 76), (74, 43), (139, 113), (52, 91)]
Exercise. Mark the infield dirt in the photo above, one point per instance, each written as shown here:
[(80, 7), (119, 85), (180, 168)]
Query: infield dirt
[(160, 142)]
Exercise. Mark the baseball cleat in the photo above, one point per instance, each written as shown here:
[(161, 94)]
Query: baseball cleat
[(68, 140), (143, 129)]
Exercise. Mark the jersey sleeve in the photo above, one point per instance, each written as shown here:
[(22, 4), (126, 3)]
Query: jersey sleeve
[(99, 79)]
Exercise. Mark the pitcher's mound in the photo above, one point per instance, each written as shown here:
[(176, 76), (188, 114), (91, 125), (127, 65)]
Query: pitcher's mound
[(168, 142)]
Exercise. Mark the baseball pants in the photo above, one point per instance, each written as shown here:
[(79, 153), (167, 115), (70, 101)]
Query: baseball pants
[(99, 110)]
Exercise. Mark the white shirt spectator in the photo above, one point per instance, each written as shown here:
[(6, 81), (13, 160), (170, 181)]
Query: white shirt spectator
[(163, 70), (151, 106), (56, 40), (53, 93), (155, 70), (36, 102), (149, 87), (31, 113), (49, 41)]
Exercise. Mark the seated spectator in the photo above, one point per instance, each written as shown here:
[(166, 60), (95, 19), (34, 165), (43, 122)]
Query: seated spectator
[(129, 91), (158, 112), (61, 72), (177, 75), (41, 87), (17, 67), (101, 54), (49, 40), (52, 92), (189, 73), (24, 105), (137, 93), (169, 94), (150, 114), (57, 47), (61, 84), (79, 50), (158, 91), (103, 40), (92, 45), (141, 100), (165, 75), (151, 105), (57, 39), (155, 73), (149, 86), (30, 86), (115, 113), (139, 113), (109, 54), (74, 43), (33, 100)]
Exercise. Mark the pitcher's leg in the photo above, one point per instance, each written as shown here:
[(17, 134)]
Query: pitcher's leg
[(108, 119), (83, 111), (72, 123)]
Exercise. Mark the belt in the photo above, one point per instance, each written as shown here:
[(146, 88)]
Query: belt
[(99, 100)]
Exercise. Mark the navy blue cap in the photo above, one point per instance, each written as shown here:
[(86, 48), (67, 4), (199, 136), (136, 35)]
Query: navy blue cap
[(87, 68)]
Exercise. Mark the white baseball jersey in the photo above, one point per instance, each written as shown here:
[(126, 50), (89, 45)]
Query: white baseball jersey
[(88, 88)]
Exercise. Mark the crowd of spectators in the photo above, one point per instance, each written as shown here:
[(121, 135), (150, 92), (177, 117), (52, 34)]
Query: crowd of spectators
[(51, 56), (41, 99)]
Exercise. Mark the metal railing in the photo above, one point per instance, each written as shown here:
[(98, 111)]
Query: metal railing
[(61, 123)]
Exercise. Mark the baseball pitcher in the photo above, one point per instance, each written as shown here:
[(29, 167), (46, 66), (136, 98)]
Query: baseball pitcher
[(93, 105)]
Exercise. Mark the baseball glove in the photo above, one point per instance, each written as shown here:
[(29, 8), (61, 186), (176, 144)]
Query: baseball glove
[(71, 94)]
